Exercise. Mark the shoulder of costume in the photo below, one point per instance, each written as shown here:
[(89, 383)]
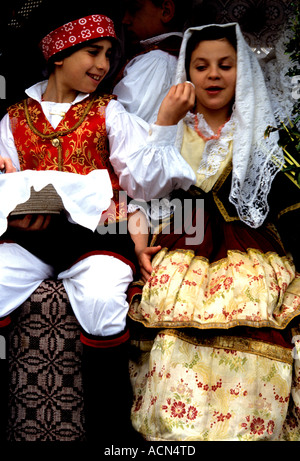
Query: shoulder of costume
[(16, 107), (102, 99)]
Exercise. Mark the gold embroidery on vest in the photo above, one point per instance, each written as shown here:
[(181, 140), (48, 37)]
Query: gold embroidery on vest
[(54, 137), (288, 209), (217, 199), (60, 132)]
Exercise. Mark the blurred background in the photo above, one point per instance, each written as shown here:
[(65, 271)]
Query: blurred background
[(24, 22)]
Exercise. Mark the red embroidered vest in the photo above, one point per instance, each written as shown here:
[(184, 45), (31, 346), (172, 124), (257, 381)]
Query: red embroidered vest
[(79, 144)]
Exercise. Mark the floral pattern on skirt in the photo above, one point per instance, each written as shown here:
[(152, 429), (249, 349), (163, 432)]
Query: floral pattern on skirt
[(186, 390), (246, 288)]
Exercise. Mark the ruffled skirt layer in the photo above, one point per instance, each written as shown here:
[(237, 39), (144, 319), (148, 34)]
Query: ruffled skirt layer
[(216, 360)]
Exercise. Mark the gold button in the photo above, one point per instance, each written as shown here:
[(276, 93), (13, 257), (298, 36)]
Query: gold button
[(55, 142)]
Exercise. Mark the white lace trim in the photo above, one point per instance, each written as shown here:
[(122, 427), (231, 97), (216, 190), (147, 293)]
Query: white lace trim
[(255, 160), (160, 208), (215, 150), (279, 84)]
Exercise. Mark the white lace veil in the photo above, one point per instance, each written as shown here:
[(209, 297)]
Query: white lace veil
[(256, 160), (275, 67)]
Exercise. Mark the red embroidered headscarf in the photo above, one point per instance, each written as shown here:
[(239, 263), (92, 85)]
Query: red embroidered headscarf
[(75, 32)]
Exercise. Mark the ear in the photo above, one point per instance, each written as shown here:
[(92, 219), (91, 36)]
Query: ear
[(168, 11), (59, 63)]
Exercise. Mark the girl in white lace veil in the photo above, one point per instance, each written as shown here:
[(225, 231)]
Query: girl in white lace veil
[(223, 291), (256, 160)]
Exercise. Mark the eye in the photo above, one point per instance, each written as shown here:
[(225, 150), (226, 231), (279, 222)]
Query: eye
[(201, 68), (108, 54), (93, 51), (225, 67)]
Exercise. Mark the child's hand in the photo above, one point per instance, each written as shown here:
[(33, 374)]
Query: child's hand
[(144, 258), (179, 100), (30, 222), (6, 165)]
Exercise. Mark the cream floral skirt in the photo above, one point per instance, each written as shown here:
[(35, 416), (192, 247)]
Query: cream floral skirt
[(199, 377)]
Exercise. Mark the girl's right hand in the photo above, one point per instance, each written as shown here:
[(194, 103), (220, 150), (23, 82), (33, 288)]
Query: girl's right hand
[(179, 100), (6, 165), (144, 259), (30, 222)]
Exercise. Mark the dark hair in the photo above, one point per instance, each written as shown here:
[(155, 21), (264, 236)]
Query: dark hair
[(213, 32), (63, 54), (114, 59)]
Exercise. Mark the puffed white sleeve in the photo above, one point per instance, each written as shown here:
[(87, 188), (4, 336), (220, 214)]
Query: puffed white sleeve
[(144, 157), (147, 79), (7, 145)]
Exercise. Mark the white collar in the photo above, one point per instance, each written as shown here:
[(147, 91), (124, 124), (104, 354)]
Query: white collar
[(37, 90), (159, 38)]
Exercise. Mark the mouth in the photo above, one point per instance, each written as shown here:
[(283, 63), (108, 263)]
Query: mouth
[(214, 89), (94, 77)]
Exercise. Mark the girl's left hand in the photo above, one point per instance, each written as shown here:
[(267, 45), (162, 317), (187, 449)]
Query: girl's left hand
[(144, 258), (179, 100)]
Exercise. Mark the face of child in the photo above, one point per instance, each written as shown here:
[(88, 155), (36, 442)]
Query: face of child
[(213, 70), (83, 70)]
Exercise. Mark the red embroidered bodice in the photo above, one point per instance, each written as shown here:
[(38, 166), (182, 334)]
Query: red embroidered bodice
[(79, 144)]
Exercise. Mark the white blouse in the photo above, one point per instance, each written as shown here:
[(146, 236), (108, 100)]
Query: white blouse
[(146, 80)]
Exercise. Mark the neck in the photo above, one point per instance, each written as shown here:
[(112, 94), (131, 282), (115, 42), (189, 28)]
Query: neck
[(215, 118), (57, 93)]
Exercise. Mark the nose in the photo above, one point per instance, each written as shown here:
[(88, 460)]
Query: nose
[(103, 64), (214, 73)]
